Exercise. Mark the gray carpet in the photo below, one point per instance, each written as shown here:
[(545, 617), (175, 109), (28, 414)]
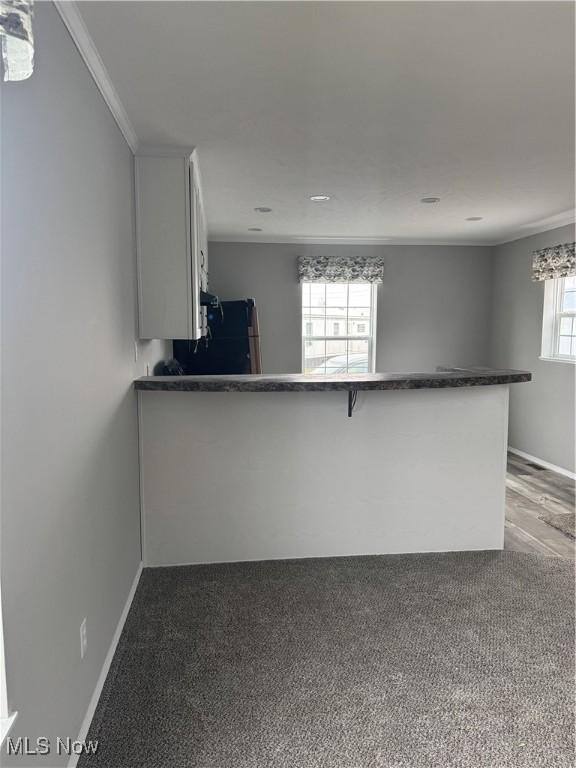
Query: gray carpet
[(403, 661)]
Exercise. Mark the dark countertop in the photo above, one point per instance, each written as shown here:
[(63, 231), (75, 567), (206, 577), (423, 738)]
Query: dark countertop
[(297, 382)]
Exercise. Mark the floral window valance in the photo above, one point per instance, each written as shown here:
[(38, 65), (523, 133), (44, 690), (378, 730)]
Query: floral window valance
[(340, 269), (16, 39), (558, 261)]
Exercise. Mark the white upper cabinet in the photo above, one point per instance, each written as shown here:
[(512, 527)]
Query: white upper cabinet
[(171, 244)]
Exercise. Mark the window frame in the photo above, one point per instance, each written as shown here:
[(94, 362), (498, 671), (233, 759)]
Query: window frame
[(370, 338), (551, 316), (6, 719)]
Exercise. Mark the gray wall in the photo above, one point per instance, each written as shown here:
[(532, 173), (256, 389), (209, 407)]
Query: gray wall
[(433, 307), (70, 520), (541, 413), (70, 504)]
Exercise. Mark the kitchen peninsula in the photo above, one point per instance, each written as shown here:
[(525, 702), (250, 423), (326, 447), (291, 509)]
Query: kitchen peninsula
[(259, 467)]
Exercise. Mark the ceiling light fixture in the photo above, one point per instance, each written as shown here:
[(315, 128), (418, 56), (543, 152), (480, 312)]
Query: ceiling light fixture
[(319, 198), (254, 229), (474, 218), (430, 200), (263, 209)]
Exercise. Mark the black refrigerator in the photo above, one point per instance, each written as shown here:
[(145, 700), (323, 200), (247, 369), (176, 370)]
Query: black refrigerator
[(231, 345)]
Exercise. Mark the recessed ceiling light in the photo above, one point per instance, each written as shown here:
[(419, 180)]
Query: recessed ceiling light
[(254, 229), (430, 200), (319, 198), (474, 218), (263, 209)]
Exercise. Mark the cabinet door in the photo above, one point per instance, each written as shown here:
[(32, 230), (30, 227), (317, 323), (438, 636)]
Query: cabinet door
[(195, 257), (203, 248), (164, 219)]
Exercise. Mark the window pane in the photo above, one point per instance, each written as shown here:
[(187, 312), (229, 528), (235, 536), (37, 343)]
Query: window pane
[(358, 366), (360, 313), (360, 294), (564, 345), (336, 294), (570, 283), (305, 294), (569, 301), (335, 349), (317, 294), (336, 357), (359, 321), (335, 326), (359, 347), (314, 356), (566, 326), (337, 313), (313, 325), (358, 327)]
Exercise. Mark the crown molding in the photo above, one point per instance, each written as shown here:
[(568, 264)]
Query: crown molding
[(165, 150), (543, 225), (68, 10), (287, 240), (533, 228)]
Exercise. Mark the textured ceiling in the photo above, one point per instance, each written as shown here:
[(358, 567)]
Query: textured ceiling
[(375, 104)]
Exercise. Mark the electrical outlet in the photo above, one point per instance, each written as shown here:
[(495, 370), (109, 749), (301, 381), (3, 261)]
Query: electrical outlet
[(83, 638)]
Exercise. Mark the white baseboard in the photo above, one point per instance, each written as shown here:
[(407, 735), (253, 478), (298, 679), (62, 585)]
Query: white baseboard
[(542, 463), (105, 667)]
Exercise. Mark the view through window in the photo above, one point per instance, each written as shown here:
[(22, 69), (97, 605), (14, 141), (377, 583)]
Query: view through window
[(338, 327), (567, 318), (559, 322)]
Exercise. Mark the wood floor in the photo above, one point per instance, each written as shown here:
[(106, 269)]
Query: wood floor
[(531, 492)]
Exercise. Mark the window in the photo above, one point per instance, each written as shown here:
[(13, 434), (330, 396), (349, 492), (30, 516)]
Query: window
[(338, 327), (6, 720), (559, 321)]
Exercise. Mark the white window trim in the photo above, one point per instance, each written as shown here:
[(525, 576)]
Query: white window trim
[(6, 720), (370, 339), (551, 315)]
